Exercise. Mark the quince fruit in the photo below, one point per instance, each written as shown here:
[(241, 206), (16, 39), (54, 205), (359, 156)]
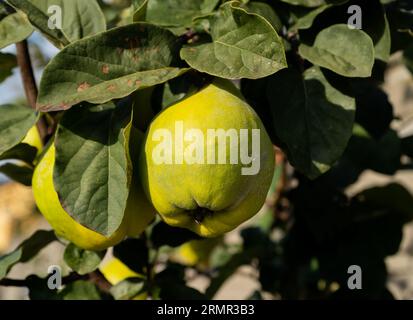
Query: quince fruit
[(138, 214), (207, 162)]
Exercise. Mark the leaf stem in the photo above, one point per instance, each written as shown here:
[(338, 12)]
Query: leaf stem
[(29, 83)]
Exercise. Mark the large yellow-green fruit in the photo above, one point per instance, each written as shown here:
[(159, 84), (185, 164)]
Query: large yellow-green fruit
[(209, 199), (115, 271), (139, 212)]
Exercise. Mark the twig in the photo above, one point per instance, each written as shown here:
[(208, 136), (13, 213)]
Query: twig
[(29, 83), (23, 282), (100, 281), (13, 283), (95, 277)]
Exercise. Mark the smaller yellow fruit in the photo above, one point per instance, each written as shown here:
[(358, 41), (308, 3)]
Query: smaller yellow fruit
[(196, 252), (138, 214), (115, 272)]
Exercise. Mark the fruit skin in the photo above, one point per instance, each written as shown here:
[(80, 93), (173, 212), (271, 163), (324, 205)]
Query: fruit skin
[(219, 193), (196, 252), (115, 272), (33, 139), (139, 212)]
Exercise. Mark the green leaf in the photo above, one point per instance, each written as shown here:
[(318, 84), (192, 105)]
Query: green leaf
[(14, 28), (177, 13), (79, 18), (109, 66), (20, 173), (128, 289), (161, 235), (244, 45), (22, 151), (134, 254), (7, 63), (139, 10), (15, 122), (266, 11), (171, 284), (382, 41), (381, 155), (370, 99), (374, 24), (82, 261), (311, 117), (348, 52), (393, 197), (307, 3), (92, 169), (80, 290), (305, 18), (26, 250)]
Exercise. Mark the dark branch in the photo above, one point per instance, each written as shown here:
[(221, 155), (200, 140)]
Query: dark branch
[(95, 277), (29, 82)]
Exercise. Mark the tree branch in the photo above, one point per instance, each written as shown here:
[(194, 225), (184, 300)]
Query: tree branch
[(29, 83), (95, 277)]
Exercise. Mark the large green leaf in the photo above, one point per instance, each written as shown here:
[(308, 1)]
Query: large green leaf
[(92, 169), (244, 45), (26, 251), (14, 28), (348, 52), (177, 13), (79, 18), (109, 66), (311, 117), (7, 63), (15, 122)]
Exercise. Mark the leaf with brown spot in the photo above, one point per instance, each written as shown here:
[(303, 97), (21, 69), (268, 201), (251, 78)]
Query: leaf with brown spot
[(83, 86), (105, 69), (85, 60)]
